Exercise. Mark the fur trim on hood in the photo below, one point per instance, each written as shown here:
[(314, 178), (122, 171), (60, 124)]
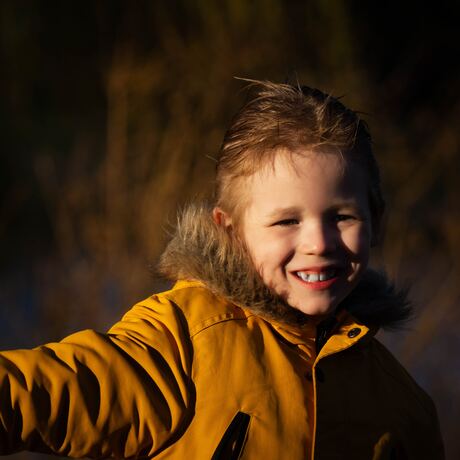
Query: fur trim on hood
[(201, 250)]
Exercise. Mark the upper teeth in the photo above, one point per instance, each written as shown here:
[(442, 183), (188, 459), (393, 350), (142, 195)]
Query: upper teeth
[(315, 277)]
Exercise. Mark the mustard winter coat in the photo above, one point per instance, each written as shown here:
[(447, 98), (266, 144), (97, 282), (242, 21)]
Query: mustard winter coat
[(191, 374)]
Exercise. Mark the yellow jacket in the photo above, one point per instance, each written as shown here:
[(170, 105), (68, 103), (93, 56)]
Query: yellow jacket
[(169, 379), (204, 372)]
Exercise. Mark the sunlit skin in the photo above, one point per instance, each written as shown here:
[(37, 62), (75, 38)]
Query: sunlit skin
[(307, 228)]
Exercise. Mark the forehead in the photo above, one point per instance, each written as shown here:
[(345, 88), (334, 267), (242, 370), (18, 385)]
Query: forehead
[(305, 167), (322, 176)]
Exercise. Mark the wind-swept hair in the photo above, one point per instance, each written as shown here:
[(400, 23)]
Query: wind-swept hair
[(284, 118)]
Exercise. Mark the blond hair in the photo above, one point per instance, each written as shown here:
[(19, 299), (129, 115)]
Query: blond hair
[(284, 117)]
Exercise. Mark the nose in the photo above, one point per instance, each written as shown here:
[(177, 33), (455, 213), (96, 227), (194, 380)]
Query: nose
[(317, 238)]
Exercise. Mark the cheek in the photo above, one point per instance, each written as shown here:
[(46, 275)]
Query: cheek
[(358, 242), (267, 253), (254, 247), (259, 250)]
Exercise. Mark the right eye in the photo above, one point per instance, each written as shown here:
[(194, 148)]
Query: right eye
[(286, 222)]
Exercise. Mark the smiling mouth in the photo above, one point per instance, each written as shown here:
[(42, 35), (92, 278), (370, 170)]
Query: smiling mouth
[(318, 280), (314, 277)]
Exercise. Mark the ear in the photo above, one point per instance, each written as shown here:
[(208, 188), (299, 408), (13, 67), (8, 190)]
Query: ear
[(221, 217)]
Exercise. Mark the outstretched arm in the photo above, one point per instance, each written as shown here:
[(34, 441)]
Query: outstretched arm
[(119, 394)]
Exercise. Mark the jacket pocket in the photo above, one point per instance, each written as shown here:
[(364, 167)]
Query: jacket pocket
[(231, 445), (388, 448)]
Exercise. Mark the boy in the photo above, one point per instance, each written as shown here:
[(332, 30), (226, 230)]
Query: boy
[(264, 348)]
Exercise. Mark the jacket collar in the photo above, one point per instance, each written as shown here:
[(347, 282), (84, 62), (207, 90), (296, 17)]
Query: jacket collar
[(203, 251)]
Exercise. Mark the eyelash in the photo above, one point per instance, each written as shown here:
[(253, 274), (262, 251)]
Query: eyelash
[(343, 217), (287, 222), (336, 218)]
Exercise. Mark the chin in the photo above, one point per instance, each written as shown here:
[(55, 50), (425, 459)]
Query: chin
[(313, 309), (315, 305)]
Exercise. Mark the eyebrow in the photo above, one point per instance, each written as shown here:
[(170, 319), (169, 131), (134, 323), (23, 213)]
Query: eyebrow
[(281, 212), (294, 210)]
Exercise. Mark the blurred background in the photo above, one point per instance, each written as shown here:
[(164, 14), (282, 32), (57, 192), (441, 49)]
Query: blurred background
[(111, 113)]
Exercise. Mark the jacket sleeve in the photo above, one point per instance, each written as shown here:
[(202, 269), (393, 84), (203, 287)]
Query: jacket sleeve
[(121, 394)]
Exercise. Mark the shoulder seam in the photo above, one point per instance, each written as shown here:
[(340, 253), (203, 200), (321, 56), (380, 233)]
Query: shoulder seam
[(232, 312), (214, 320)]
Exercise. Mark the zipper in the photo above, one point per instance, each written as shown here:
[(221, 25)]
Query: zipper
[(231, 445)]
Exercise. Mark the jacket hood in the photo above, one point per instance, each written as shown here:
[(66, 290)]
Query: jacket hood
[(203, 251)]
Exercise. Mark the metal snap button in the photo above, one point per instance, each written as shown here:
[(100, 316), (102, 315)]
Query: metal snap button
[(352, 333)]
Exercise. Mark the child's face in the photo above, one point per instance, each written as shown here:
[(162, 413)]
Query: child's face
[(307, 228)]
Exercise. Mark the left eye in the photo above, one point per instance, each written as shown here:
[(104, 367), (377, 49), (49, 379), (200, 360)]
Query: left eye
[(343, 217)]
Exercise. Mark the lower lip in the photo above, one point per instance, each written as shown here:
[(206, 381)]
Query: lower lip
[(317, 285)]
